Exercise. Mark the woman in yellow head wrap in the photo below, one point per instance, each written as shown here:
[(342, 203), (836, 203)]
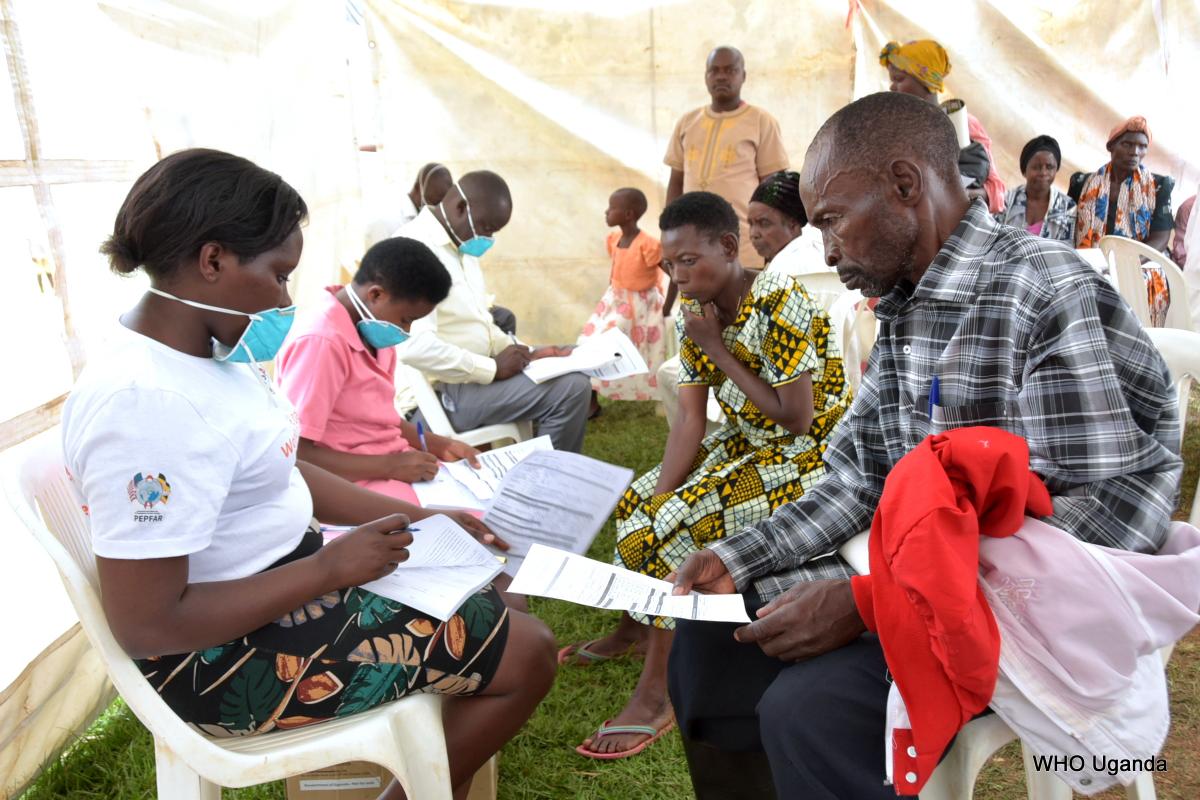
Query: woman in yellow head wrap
[(920, 68)]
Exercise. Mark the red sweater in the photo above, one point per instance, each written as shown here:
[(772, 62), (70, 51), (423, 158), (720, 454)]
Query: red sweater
[(922, 597)]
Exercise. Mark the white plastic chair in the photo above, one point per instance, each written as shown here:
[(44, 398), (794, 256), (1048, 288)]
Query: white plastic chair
[(1181, 350), (431, 409), (405, 736), (979, 739), (1126, 257)]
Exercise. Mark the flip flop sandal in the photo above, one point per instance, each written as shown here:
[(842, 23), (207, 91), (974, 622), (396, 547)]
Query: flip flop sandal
[(570, 651), (615, 730)]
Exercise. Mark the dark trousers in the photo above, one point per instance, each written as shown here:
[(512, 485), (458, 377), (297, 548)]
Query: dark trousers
[(820, 722)]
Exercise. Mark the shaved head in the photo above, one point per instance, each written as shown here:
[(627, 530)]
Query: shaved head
[(487, 190), (724, 74), (632, 199), (726, 50), (880, 128), (880, 181), (432, 183)]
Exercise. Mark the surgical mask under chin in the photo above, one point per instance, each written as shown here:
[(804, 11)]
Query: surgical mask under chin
[(477, 245), (260, 341), (375, 332)]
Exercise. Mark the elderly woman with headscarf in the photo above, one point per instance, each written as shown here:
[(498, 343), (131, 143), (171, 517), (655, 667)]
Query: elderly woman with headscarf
[(1036, 206), (920, 68), (777, 219), (1124, 198)]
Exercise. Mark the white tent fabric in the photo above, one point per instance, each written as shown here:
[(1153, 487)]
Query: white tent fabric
[(567, 100)]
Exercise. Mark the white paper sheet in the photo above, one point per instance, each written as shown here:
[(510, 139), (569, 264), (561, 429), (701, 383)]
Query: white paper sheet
[(554, 498), (445, 491), (609, 356), (548, 572), (629, 361), (493, 466), (445, 566)]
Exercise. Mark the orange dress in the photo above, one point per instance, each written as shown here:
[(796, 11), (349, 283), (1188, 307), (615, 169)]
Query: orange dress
[(633, 303)]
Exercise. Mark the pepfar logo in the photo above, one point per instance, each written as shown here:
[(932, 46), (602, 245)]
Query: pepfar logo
[(147, 491)]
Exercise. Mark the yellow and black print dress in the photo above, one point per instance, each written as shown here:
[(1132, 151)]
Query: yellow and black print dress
[(751, 465)]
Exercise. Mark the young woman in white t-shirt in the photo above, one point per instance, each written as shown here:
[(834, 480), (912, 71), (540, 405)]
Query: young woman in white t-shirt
[(212, 577)]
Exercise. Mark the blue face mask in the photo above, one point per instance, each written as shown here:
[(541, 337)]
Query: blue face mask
[(375, 332), (477, 245), (259, 342)]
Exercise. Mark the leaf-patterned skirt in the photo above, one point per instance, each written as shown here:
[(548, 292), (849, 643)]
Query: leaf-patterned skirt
[(336, 655)]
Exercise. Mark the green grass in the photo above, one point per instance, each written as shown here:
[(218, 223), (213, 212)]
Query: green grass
[(115, 759)]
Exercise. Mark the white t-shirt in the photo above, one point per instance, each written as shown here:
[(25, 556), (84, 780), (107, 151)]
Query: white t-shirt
[(178, 455)]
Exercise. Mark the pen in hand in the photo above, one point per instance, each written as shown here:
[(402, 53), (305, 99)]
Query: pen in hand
[(421, 437)]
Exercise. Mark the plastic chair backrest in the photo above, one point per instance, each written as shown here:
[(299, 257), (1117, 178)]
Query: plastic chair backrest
[(427, 400), (45, 499), (1181, 350), (1127, 255)]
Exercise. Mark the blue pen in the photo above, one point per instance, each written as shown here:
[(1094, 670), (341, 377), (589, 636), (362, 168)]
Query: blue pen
[(935, 395), (421, 436)]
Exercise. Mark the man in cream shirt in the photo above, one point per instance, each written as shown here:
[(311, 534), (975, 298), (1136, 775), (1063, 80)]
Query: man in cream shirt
[(478, 367)]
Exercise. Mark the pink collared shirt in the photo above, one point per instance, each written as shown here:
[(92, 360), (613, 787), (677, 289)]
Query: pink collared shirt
[(344, 395)]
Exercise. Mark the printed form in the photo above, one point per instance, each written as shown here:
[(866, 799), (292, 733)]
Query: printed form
[(547, 572), (494, 465), (557, 499), (609, 356), (445, 566)]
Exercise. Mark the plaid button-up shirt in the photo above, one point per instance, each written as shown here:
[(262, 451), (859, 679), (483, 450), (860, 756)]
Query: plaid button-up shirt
[(1024, 336)]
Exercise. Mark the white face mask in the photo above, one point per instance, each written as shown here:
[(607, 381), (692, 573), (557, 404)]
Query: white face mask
[(259, 342)]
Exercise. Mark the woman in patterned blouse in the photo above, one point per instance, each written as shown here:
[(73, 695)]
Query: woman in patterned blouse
[(1036, 206), (770, 355)]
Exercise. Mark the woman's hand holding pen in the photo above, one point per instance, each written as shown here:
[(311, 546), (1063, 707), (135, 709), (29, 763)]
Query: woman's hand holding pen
[(366, 553), (412, 466)]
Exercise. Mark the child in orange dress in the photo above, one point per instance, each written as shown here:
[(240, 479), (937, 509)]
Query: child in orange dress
[(633, 301)]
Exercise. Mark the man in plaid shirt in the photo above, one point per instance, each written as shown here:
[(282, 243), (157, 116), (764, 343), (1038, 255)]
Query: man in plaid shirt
[(1022, 335)]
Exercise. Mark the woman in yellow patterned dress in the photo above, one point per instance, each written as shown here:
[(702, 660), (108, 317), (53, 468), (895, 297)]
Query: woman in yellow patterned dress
[(770, 355)]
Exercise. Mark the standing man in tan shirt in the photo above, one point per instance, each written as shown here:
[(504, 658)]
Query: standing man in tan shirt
[(726, 147)]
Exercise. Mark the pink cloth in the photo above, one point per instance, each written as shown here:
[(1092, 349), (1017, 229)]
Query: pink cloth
[(993, 186), (344, 395), (1035, 228)]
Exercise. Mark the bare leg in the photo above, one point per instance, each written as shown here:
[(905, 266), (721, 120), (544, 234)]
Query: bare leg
[(649, 705), (517, 602), (628, 636), (477, 726)]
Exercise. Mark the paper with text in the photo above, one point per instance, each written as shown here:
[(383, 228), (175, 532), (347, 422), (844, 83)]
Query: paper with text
[(608, 355), (493, 466), (554, 498), (445, 566), (446, 491), (547, 572)]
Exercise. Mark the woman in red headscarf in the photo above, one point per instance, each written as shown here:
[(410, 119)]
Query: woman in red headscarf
[(1124, 198)]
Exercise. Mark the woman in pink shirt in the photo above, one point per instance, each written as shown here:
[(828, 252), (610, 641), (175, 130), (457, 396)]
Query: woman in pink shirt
[(338, 368)]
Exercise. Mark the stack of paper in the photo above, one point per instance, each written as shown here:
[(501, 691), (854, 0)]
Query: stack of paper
[(459, 485), (609, 356), (548, 572), (445, 566)]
